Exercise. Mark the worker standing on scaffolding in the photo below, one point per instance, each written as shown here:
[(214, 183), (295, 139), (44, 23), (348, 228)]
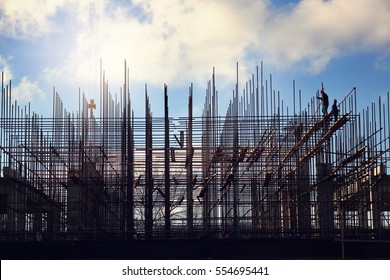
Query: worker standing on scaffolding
[(335, 110), (325, 102)]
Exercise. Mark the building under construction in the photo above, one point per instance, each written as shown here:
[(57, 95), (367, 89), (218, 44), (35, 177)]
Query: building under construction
[(259, 171)]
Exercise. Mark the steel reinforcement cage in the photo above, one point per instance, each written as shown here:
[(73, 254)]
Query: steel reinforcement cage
[(257, 171)]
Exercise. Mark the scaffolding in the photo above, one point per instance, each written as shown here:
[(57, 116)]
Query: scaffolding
[(255, 172)]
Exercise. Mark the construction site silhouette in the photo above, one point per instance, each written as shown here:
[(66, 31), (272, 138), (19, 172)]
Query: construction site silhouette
[(261, 181)]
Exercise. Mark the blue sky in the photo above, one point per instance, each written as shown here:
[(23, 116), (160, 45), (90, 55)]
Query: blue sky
[(46, 44)]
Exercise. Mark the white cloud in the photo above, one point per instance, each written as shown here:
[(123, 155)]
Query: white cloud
[(30, 19), (183, 40), (23, 90), (180, 41), (314, 32), (6, 70), (171, 41), (26, 18), (27, 91)]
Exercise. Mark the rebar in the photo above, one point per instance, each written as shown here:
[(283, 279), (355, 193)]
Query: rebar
[(257, 171)]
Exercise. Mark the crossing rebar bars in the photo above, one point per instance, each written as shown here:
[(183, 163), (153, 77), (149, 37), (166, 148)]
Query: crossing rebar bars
[(257, 171)]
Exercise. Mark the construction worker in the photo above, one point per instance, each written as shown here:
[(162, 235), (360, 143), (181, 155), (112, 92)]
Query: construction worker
[(335, 110), (325, 102)]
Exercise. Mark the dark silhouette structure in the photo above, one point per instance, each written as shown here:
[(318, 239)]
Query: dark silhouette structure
[(253, 173)]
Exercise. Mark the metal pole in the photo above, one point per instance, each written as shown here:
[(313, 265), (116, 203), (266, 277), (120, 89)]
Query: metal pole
[(167, 175)]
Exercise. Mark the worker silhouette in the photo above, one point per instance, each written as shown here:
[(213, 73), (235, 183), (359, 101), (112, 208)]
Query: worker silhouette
[(325, 102), (335, 110)]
